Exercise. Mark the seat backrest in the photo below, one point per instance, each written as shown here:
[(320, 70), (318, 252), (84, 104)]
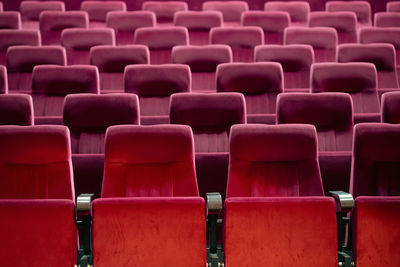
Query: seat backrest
[(393, 6), (387, 19), (10, 20), (60, 20), (165, 10), (161, 38), (16, 109), (30, 10), (381, 35), (149, 161), (237, 37), (98, 10), (299, 11), (231, 10), (3, 80), (198, 20), (35, 162), (18, 37), (129, 21), (273, 160), (391, 107), (362, 9), (84, 39)]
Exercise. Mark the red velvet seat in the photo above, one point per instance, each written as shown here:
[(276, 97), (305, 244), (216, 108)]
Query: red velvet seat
[(273, 24), (125, 24), (260, 83), (16, 109), (88, 116), (17, 37), (299, 11), (231, 10), (78, 42), (30, 11), (3, 80), (98, 10), (10, 20), (165, 10), (296, 61), (362, 9), (51, 24), (112, 60), (161, 40), (387, 19), (242, 40), (154, 84), (391, 107), (393, 6), (324, 41), (203, 62)]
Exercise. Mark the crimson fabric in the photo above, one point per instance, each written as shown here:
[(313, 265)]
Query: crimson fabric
[(299, 11), (210, 116), (29, 228), (387, 19), (393, 6), (345, 23), (198, 24), (17, 37), (358, 79), (10, 20), (362, 9), (149, 161), (231, 10), (51, 24), (203, 62), (376, 231), (3, 80), (242, 40), (273, 160), (280, 232), (391, 107), (330, 113), (260, 83), (16, 109), (98, 10), (88, 173), (30, 11), (375, 166), (88, 116), (78, 42), (112, 60), (154, 231), (324, 41), (35, 162), (335, 170), (273, 23), (161, 40), (125, 24), (295, 59), (165, 10), (1, 7)]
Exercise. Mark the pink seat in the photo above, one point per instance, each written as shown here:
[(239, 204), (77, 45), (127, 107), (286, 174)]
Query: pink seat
[(198, 24), (98, 10), (165, 10), (242, 40), (10, 20), (362, 9), (324, 41), (273, 24), (161, 40), (154, 84), (359, 79), (231, 10), (299, 11), (387, 19), (78, 42), (22, 59), (125, 24), (3, 80), (390, 109), (203, 62), (51, 24), (112, 60), (393, 6), (260, 83), (30, 11), (16, 109), (296, 61), (88, 116)]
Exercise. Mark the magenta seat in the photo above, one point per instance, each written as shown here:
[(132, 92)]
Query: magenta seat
[(30, 11), (393, 6), (10, 20), (387, 19), (16, 109), (362, 9), (125, 24), (3, 80), (164, 10), (299, 11), (112, 60), (390, 109), (231, 10), (98, 10), (88, 116)]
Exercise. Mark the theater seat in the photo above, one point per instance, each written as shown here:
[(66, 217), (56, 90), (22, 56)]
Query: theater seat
[(393, 6), (16, 109), (98, 10), (164, 10), (3, 80), (299, 11), (362, 9), (390, 109), (387, 19), (10, 20), (30, 11), (231, 10)]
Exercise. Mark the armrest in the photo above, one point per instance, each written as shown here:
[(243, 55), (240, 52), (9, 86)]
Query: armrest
[(214, 203), (83, 203), (213, 209), (84, 222), (344, 201)]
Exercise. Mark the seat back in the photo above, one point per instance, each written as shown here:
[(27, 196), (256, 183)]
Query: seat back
[(391, 107), (10, 20), (362, 9), (30, 10), (231, 10), (299, 11), (387, 19), (393, 6), (16, 109), (10, 37), (3, 80), (97, 10), (164, 10)]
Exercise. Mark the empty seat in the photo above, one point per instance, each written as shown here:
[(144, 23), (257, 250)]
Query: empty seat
[(198, 24), (362, 9), (10, 20), (22, 59), (296, 61), (98, 10), (78, 42), (273, 24), (393, 6), (165, 10), (16, 109), (242, 40), (260, 83), (51, 24), (154, 84), (390, 109), (125, 24), (299, 11), (231, 10), (203, 62), (30, 11), (160, 41), (387, 19), (3, 80), (88, 116), (324, 41), (112, 60)]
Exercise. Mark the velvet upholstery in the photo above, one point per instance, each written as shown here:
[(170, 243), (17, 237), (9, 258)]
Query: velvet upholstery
[(393, 6), (97, 10), (241, 39), (295, 59), (10, 20), (359, 79), (335, 170), (273, 160), (149, 161), (1, 7), (203, 62), (88, 173), (154, 85), (387, 19), (390, 108), (161, 40), (273, 24), (30, 11), (125, 24), (165, 10), (3, 80), (16, 109), (35, 162), (375, 165), (231, 10), (299, 11), (260, 83), (51, 24), (10, 37), (324, 41), (88, 116), (280, 231), (362, 9), (154, 231), (112, 60)]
